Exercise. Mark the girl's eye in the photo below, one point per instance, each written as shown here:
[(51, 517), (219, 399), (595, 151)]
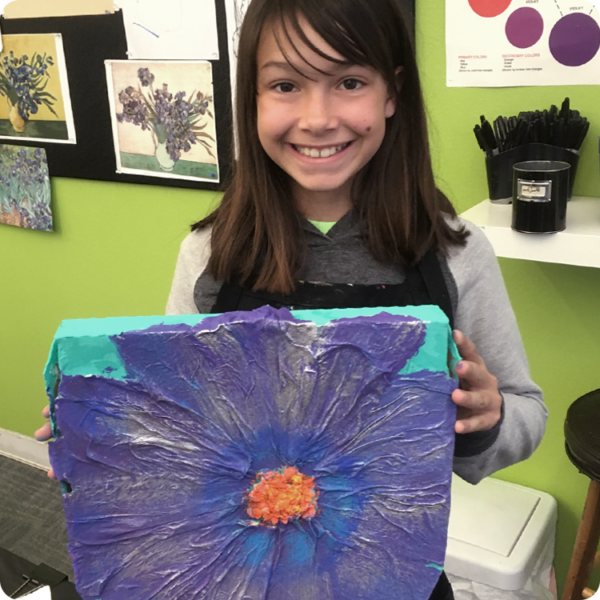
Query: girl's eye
[(286, 87), (351, 84)]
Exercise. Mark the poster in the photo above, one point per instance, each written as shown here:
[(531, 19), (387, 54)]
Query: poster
[(35, 103), (163, 119), (499, 43), (177, 29), (25, 188)]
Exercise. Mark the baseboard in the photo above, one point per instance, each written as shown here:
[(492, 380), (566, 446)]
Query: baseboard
[(24, 449)]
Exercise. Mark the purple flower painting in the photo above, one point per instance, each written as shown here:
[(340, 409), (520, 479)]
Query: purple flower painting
[(256, 456), (25, 188), (163, 118)]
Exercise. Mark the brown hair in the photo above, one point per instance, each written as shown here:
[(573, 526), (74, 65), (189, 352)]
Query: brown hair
[(257, 238)]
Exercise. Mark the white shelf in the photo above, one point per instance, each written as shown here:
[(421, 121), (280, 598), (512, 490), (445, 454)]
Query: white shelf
[(578, 245)]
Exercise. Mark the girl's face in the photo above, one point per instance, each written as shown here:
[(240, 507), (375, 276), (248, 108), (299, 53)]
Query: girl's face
[(320, 128)]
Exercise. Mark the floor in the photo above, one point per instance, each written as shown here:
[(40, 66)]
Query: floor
[(32, 522)]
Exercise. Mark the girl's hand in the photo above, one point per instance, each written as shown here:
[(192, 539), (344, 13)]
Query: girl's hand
[(44, 433), (478, 399)]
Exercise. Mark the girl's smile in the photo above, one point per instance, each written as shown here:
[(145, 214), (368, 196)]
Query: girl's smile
[(320, 120)]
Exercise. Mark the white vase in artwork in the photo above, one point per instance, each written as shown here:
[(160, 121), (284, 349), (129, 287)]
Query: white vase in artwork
[(165, 161)]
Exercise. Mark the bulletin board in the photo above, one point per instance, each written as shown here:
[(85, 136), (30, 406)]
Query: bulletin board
[(88, 42)]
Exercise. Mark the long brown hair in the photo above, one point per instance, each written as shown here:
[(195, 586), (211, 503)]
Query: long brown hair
[(256, 237)]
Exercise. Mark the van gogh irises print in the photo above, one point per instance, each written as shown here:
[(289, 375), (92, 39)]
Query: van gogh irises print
[(25, 188), (254, 456), (34, 92), (163, 118)]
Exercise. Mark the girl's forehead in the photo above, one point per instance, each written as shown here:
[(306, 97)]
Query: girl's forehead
[(281, 43)]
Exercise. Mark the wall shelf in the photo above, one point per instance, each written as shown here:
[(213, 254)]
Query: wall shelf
[(578, 245)]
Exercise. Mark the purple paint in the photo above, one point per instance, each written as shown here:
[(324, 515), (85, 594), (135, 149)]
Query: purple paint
[(160, 463), (524, 27), (575, 39)]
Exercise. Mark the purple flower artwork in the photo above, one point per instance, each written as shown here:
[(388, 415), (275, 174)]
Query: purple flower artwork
[(25, 188), (255, 456), (163, 118)]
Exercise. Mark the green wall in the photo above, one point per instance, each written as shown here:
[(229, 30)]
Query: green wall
[(115, 247), (557, 306)]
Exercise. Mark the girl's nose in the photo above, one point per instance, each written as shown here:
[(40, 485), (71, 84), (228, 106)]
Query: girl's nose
[(317, 113)]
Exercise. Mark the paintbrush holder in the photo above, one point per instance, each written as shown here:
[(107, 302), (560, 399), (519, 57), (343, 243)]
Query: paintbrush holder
[(499, 168)]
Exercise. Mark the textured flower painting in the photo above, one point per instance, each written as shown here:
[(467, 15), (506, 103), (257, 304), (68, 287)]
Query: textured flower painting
[(255, 456), (163, 118), (25, 188)]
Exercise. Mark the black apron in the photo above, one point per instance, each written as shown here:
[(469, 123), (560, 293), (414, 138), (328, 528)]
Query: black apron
[(424, 284)]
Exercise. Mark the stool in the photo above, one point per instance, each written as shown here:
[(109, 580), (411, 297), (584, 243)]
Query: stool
[(582, 444)]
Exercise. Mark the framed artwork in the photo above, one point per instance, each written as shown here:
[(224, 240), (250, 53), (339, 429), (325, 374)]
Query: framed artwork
[(260, 455)]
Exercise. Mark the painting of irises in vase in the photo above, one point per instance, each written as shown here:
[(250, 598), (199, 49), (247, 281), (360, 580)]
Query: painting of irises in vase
[(35, 103), (163, 119), (25, 188)]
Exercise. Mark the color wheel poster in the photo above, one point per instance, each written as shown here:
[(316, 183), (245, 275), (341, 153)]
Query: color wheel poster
[(501, 43)]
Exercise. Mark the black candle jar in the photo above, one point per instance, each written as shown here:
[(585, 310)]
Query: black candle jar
[(540, 192)]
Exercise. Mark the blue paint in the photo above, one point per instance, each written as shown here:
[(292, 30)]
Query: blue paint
[(257, 544), (300, 547)]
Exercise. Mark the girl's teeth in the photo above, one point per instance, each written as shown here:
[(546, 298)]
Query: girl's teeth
[(314, 153)]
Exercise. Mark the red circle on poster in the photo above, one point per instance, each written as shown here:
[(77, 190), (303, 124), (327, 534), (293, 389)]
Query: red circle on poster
[(489, 8)]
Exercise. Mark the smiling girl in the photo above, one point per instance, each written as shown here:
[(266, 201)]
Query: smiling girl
[(333, 204)]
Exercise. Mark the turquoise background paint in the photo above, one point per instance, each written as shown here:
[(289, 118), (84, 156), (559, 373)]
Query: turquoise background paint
[(115, 245), (84, 346)]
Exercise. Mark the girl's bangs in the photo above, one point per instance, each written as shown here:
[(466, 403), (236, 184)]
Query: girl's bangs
[(331, 23)]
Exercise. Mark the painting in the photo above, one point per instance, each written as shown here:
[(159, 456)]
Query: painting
[(262, 455), (163, 119), (35, 103), (25, 188)]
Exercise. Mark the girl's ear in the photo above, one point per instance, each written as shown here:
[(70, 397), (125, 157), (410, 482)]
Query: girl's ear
[(390, 107)]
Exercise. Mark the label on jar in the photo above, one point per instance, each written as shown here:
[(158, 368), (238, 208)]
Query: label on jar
[(534, 191)]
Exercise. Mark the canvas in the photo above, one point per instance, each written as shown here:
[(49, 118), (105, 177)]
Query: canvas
[(261, 455)]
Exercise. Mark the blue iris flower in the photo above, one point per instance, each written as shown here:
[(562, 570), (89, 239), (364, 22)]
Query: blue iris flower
[(159, 461)]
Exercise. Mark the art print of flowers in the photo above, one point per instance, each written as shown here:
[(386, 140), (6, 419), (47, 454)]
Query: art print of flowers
[(257, 457), (34, 95), (163, 118), (25, 188)]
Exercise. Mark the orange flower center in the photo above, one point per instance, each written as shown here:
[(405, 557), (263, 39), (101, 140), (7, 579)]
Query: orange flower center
[(281, 496)]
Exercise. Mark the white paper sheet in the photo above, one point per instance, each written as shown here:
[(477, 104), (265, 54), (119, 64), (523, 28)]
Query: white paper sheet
[(500, 43), (171, 29)]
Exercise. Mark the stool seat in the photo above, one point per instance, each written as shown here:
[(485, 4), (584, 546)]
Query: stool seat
[(582, 443), (582, 434)]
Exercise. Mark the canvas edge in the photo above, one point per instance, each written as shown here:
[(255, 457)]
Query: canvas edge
[(25, 449)]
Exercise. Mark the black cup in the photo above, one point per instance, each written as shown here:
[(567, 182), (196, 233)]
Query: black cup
[(540, 190), (500, 167)]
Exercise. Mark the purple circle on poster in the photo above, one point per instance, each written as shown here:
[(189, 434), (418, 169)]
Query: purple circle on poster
[(575, 40), (524, 27)]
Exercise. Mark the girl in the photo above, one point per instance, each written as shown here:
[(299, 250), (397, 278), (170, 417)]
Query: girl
[(333, 204)]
